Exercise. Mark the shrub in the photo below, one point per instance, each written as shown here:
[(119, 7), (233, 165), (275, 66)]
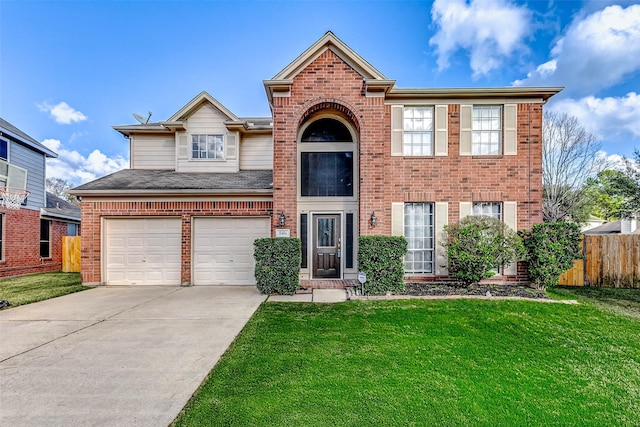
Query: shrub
[(380, 258), (277, 264), (479, 244), (551, 249)]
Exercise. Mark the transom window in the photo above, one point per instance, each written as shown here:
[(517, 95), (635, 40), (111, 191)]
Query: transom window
[(419, 232), (487, 129), (418, 131), (207, 146), (326, 130), (492, 209)]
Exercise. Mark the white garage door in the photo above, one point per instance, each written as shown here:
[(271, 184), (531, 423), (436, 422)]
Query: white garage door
[(223, 249), (143, 251)]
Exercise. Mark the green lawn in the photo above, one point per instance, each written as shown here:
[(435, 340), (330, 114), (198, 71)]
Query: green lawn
[(38, 287), (418, 362), (622, 301)]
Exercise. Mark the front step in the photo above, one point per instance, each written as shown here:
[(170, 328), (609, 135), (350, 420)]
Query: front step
[(328, 284)]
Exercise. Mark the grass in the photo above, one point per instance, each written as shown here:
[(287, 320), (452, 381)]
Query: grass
[(38, 287), (418, 362), (618, 300)]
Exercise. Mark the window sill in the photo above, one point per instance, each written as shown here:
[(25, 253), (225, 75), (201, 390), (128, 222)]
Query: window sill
[(487, 156), (207, 160)]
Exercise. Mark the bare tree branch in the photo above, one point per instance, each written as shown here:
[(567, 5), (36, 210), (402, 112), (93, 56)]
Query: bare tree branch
[(570, 156)]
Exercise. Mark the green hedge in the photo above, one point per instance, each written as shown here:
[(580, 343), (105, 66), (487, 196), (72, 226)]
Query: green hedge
[(551, 249), (277, 264), (380, 257)]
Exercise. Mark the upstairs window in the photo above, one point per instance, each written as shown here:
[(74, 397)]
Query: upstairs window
[(326, 174), (326, 130), (486, 130), (207, 147), (4, 152), (418, 131)]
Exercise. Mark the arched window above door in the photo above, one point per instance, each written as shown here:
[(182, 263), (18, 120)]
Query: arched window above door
[(326, 130)]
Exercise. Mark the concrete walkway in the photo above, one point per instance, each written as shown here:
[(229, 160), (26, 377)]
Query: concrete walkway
[(115, 356), (316, 295)]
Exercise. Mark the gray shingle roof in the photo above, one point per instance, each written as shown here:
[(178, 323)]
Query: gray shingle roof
[(25, 139), (167, 181), (60, 208)]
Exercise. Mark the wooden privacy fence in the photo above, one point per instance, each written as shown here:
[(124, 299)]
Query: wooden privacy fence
[(611, 261), (71, 254)]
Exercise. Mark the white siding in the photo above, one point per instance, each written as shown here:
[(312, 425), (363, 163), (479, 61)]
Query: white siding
[(153, 152), (256, 152), (34, 163), (206, 120)]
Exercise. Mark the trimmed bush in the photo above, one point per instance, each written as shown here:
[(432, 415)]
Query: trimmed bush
[(380, 258), (477, 245), (551, 249), (277, 264)]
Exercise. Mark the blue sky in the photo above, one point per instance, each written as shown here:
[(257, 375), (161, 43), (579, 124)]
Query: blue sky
[(69, 70)]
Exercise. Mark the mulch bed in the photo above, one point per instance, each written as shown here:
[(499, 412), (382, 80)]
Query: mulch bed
[(496, 290)]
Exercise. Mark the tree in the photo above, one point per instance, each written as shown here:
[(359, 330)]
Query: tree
[(477, 245), (60, 187), (612, 193), (569, 157), (632, 206)]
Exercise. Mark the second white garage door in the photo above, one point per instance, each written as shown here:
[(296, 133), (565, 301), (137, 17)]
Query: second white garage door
[(223, 249)]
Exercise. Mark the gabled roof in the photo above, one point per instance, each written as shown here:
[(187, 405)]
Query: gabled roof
[(196, 102), (10, 131), (330, 42), (60, 209), (375, 81)]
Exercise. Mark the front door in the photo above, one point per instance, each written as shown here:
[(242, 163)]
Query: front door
[(326, 247)]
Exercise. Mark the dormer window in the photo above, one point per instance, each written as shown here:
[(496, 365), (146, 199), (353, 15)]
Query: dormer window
[(207, 147)]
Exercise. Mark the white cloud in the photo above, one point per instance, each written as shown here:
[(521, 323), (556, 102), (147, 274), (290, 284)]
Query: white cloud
[(62, 113), (597, 51), (491, 31), (606, 117), (78, 169)]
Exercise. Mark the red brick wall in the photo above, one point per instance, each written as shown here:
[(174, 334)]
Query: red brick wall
[(94, 211), (384, 179), (21, 241), (328, 82), (456, 178)]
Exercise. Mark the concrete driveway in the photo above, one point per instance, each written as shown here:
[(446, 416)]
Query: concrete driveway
[(115, 356)]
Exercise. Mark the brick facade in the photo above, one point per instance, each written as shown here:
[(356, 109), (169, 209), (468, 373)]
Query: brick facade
[(330, 80), (21, 244), (93, 211)]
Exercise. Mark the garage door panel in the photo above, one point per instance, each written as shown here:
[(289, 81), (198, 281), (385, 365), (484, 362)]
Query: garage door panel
[(143, 251), (223, 249)]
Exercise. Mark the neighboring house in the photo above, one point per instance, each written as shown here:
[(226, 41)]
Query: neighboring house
[(621, 226), (30, 237), (345, 153)]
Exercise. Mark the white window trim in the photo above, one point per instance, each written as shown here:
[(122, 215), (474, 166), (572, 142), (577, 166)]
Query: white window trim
[(499, 131), (208, 159)]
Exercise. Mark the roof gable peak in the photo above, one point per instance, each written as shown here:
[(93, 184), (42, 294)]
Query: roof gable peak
[(330, 41), (195, 103)]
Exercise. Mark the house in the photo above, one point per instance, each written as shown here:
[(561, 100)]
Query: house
[(345, 153), (620, 226), (30, 236)]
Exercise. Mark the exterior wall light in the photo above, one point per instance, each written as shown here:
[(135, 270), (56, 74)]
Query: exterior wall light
[(283, 219), (373, 220)]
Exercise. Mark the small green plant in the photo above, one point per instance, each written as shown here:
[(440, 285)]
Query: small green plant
[(551, 250), (477, 245), (380, 258), (277, 264)]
